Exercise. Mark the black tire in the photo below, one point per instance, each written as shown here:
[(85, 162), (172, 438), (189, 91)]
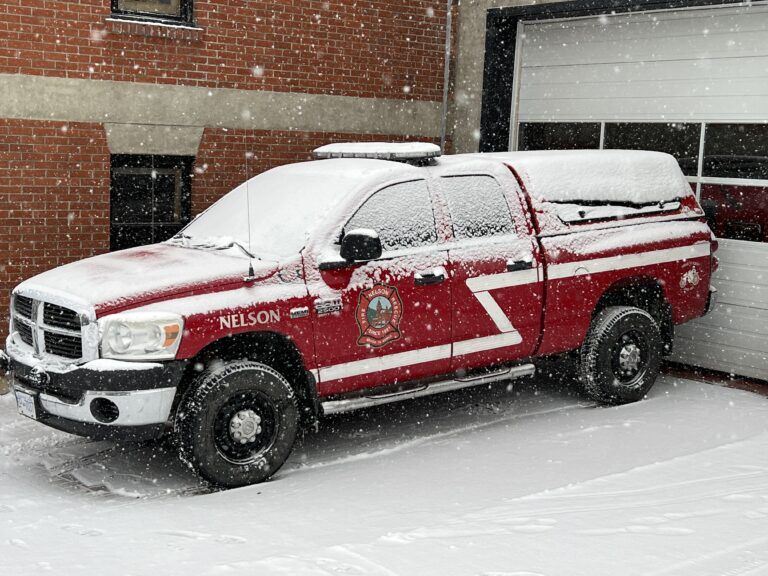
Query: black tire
[(621, 355), (242, 398)]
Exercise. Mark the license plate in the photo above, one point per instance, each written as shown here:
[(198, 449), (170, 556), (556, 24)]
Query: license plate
[(26, 404)]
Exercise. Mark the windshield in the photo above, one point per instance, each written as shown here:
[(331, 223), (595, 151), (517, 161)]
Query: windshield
[(286, 204)]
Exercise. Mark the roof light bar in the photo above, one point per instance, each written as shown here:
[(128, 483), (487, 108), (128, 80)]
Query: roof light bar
[(403, 151)]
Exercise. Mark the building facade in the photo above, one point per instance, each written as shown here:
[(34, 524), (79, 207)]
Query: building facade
[(685, 77), (121, 119)]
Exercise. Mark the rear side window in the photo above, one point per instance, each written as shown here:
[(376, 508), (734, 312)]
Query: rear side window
[(477, 207), (401, 214)]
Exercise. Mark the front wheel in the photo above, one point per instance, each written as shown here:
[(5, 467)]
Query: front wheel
[(621, 355), (237, 424)]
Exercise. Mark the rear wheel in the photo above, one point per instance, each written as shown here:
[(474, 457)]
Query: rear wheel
[(621, 356), (237, 424)]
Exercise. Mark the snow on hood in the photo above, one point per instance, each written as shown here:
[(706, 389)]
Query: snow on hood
[(138, 275)]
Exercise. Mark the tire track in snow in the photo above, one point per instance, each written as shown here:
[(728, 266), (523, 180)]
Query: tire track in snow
[(567, 491), (405, 445), (533, 510), (740, 560)]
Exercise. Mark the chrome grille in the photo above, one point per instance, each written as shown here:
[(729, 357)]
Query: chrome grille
[(47, 328), (24, 330), (60, 317), (23, 306), (63, 345)]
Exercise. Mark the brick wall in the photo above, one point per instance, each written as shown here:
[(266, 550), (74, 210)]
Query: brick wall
[(220, 162), (54, 198), (376, 48)]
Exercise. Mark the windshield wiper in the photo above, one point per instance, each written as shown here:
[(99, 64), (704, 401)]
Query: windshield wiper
[(211, 244), (621, 203), (245, 251)]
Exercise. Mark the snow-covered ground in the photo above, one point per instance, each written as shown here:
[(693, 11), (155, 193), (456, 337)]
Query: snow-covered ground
[(519, 481)]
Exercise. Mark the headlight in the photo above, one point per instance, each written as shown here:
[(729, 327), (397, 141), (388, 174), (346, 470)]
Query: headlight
[(141, 335)]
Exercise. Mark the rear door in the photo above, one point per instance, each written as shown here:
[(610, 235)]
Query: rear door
[(497, 279), (386, 321)]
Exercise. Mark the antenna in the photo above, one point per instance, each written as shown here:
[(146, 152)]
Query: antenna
[(248, 155)]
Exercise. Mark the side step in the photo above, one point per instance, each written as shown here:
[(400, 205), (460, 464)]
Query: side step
[(357, 403)]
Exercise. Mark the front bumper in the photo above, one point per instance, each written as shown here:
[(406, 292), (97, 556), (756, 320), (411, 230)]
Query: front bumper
[(139, 395)]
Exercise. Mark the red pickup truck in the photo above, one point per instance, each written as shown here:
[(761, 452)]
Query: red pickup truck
[(377, 274)]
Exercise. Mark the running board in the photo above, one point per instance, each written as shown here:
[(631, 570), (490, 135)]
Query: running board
[(360, 402)]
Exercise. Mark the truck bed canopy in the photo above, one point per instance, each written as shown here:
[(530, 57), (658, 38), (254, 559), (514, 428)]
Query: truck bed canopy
[(626, 177)]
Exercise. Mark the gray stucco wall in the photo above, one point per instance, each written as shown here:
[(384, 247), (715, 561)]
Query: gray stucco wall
[(153, 118)]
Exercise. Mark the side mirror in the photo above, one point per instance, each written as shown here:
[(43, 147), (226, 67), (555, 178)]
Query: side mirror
[(361, 244)]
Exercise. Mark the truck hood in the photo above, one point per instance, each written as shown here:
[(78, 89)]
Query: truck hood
[(137, 276)]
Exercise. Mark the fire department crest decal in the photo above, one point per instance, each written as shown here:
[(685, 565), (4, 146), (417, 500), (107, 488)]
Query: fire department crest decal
[(378, 314), (690, 279)]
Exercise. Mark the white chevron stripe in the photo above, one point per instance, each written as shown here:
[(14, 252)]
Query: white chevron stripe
[(509, 336), (622, 262)]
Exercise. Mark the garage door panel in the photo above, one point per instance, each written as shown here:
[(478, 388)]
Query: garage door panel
[(734, 87), (731, 339), (743, 326), (644, 109), (742, 278), (644, 67), (720, 69), (681, 47), (714, 355), (691, 32), (655, 23)]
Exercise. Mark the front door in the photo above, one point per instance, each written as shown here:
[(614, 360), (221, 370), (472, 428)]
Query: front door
[(387, 321)]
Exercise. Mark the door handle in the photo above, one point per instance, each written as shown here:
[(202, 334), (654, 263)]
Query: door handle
[(434, 276), (517, 265)]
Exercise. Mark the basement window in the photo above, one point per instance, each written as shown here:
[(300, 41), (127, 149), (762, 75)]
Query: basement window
[(167, 11), (150, 198)]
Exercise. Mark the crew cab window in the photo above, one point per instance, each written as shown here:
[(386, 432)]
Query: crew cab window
[(401, 214), (477, 207)]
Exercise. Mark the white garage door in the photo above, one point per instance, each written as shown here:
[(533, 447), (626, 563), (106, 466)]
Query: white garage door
[(690, 82)]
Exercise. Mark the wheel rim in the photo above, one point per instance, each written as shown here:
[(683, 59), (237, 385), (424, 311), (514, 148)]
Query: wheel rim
[(629, 358), (245, 427)]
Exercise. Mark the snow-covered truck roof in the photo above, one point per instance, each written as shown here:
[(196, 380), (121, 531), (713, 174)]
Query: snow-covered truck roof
[(286, 203)]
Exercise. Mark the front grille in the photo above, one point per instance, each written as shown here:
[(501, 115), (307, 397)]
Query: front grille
[(56, 331), (60, 317), (24, 330), (63, 345), (23, 306)]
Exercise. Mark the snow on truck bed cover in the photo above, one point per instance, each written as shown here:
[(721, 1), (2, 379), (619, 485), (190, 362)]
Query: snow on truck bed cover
[(572, 176)]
